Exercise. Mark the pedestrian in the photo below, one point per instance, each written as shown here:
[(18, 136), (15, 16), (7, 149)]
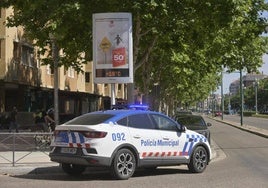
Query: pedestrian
[(40, 120), (49, 118), (13, 120)]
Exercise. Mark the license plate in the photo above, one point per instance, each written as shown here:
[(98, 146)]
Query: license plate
[(68, 150)]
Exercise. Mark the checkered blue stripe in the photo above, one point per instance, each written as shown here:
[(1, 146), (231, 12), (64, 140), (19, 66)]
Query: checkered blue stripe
[(71, 137), (190, 140)]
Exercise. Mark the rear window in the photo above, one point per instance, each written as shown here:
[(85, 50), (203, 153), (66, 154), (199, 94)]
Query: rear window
[(89, 119), (192, 122)]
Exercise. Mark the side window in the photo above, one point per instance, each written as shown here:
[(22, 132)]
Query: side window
[(140, 121), (122, 121), (164, 123), (202, 122)]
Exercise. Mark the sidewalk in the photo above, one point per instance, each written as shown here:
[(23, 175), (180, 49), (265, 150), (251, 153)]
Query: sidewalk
[(24, 162), (248, 128)]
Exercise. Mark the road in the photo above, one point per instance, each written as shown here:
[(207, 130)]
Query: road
[(244, 164)]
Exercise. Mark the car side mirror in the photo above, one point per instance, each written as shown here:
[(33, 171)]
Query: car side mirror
[(209, 124), (183, 128)]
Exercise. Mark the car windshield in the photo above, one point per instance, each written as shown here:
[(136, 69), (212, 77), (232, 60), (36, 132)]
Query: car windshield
[(89, 119), (191, 122)]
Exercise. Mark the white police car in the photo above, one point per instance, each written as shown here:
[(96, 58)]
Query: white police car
[(124, 140)]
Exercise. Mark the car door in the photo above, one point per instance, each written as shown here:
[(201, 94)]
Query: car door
[(173, 141), (144, 137)]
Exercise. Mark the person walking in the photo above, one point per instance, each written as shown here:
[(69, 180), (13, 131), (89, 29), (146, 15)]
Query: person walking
[(13, 120), (49, 118), (40, 120)]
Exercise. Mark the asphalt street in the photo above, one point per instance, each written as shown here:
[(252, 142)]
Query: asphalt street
[(38, 162)]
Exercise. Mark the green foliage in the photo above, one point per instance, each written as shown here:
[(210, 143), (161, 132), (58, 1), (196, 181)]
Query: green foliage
[(250, 97), (181, 45)]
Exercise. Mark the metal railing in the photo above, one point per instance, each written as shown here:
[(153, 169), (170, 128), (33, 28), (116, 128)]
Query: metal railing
[(24, 144)]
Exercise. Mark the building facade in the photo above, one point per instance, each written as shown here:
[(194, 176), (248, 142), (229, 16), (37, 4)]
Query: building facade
[(248, 81), (29, 85)]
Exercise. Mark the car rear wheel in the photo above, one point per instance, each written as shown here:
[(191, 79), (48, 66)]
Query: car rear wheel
[(73, 169), (199, 160), (124, 164)]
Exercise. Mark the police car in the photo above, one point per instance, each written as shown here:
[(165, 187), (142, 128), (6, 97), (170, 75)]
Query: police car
[(124, 140)]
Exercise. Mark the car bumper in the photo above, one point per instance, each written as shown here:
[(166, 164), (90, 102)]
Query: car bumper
[(79, 158)]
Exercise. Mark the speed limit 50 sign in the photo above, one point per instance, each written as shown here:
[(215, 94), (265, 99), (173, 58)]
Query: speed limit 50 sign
[(119, 57)]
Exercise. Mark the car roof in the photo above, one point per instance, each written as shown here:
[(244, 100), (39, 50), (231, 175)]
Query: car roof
[(122, 113), (187, 115)]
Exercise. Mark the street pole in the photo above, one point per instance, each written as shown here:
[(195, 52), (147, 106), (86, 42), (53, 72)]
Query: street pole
[(256, 96), (55, 56), (112, 94), (241, 98), (222, 98)]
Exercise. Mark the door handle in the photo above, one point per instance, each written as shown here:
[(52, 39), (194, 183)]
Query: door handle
[(137, 136)]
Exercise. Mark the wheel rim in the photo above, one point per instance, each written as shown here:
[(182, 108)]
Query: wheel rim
[(200, 159), (125, 164)]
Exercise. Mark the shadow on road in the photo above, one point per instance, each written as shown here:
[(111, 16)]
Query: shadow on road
[(91, 174)]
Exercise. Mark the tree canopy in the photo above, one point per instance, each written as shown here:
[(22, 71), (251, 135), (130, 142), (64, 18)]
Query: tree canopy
[(181, 45)]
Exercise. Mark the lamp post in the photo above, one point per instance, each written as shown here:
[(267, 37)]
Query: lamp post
[(55, 57), (241, 98), (256, 95), (222, 97)]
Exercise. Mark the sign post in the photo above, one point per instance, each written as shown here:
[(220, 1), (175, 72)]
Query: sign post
[(112, 49)]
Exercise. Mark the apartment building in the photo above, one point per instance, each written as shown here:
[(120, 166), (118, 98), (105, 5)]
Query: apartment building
[(248, 81), (29, 85)]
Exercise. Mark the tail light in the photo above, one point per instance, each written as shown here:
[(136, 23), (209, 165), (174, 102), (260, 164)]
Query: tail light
[(90, 134), (94, 134)]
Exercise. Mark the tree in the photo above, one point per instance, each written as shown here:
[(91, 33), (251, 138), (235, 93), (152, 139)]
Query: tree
[(182, 45)]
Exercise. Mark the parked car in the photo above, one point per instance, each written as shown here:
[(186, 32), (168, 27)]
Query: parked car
[(195, 123), (124, 140), (218, 113)]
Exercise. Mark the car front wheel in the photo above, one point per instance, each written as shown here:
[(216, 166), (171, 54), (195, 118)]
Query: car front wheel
[(199, 160), (124, 164)]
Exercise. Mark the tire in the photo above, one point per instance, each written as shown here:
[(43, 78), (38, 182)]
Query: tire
[(199, 160), (124, 165), (73, 169)]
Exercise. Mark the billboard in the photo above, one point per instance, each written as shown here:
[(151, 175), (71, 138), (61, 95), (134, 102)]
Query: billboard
[(112, 48)]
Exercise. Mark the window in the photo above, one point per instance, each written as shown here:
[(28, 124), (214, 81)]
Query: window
[(27, 55), (140, 121), (89, 119), (16, 51), (50, 69), (164, 123), (192, 122), (71, 72), (87, 77), (119, 87), (122, 121)]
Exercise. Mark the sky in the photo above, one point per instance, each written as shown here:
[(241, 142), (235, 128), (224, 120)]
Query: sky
[(229, 78)]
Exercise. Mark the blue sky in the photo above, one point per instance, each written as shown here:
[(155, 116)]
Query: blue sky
[(229, 78)]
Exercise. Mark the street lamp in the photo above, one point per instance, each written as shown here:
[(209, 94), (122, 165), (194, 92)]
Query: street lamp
[(55, 57), (222, 97), (241, 98), (256, 95)]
